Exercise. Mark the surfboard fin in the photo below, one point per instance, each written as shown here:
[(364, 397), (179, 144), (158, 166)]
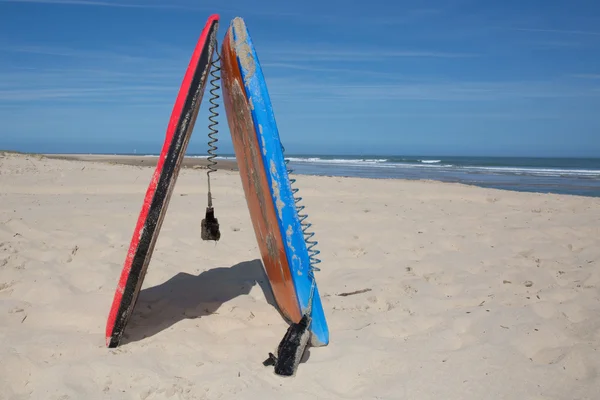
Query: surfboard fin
[(291, 348), (210, 226)]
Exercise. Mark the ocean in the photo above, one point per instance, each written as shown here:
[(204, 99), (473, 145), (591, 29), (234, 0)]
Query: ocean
[(573, 176)]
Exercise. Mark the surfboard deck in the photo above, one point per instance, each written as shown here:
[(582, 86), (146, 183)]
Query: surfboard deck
[(161, 186), (266, 183)]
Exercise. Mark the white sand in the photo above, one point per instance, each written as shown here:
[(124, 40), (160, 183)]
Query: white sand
[(476, 294)]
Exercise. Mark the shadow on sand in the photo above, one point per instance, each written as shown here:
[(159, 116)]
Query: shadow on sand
[(187, 296)]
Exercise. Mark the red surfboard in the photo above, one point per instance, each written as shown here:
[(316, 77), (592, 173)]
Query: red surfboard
[(163, 181)]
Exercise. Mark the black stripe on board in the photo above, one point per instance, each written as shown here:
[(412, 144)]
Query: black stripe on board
[(164, 186)]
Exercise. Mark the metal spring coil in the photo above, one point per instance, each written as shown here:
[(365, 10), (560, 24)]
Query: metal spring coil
[(212, 126), (310, 243)]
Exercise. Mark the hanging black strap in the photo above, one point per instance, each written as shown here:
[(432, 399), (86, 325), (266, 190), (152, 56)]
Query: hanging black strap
[(210, 224)]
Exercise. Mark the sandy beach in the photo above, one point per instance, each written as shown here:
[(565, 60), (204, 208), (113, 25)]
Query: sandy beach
[(468, 293)]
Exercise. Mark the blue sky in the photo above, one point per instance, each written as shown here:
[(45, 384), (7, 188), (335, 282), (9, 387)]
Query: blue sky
[(472, 77)]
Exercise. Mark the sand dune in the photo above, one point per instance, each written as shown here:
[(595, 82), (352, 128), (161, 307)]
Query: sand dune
[(473, 293)]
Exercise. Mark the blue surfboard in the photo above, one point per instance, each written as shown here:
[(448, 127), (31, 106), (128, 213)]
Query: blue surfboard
[(299, 248)]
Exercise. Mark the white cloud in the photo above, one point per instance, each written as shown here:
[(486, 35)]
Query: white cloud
[(95, 3), (586, 76), (561, 31)]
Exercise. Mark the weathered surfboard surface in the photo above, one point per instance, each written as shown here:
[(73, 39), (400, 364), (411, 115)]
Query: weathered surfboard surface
[(162, 183), (265, 178), (256, 187)]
